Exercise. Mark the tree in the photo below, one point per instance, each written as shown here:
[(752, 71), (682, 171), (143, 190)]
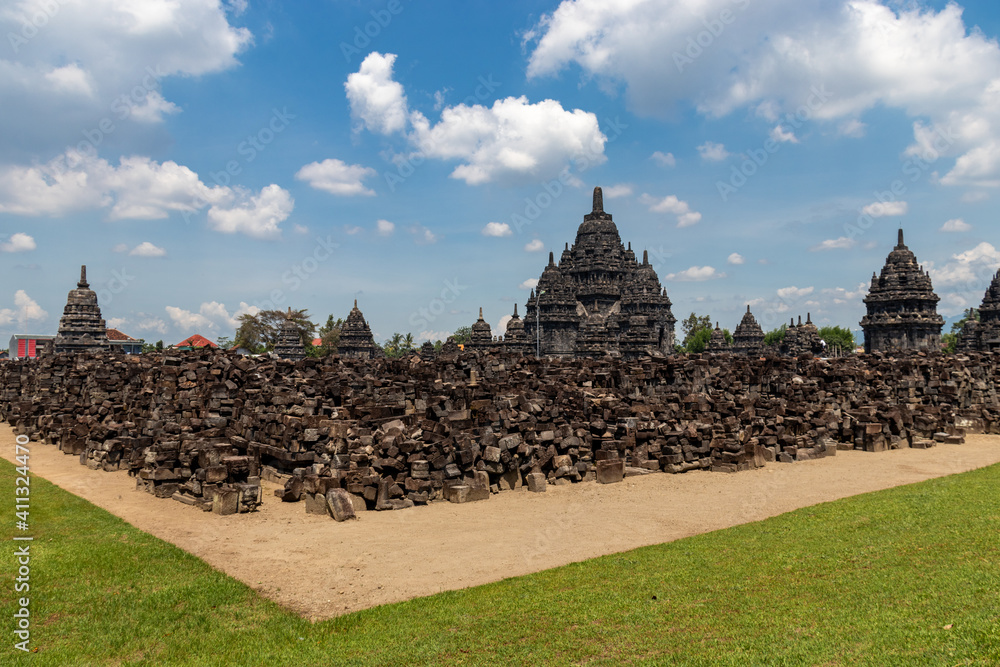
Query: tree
[(462, 335), (259, 333), (692, 324), (149, 347), (398, 345), (775, 336), (697, 342), (329, 335), (949, 341), (956, 327), (838, 337), (224, 342)]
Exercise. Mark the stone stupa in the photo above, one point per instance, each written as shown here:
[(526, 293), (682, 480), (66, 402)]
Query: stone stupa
[(81, 328)]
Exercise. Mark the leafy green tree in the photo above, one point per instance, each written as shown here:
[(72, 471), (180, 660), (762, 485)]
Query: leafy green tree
[(775, 336), (949, 341), (149, 347), (259, 333), (692, 324), (698, 341), (329, 335), (224, 342), (462, 335), (956, 327), (838, 337), (398, 345)]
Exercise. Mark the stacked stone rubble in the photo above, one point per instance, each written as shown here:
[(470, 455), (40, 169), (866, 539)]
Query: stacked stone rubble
[(206, 427)]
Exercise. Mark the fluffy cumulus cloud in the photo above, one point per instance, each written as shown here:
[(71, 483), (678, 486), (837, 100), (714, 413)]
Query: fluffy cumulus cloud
[(792, 293), (377, 101), (385, 228), (530, 283), (618, 190), (211, 316), (138, 188), (497, 229), (970, 270), (18, 242), (956, 225), (841, 243), (259, 216), (842, 295), (512, 140), (25, 309), (663, 159), (886, 209), (534, 245), (671, 204), (147, 249), (712, 152), (60, 78), (337, 177), (735, 259), (422, 235), (695, 274), (771, 56)]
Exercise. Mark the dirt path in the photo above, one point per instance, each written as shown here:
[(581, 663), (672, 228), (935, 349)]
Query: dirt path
[(320, 568)]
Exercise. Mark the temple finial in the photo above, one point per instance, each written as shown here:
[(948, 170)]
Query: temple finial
[(567, 245), (809, 318), (645, 258), (800, 320), (748, 309), (480, 312), (900, 236), (552, 259), (355, 303), (598, 200), (83, 276), (515, 310)]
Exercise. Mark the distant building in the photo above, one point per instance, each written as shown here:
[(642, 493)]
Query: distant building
[(4, 355), (30, 346), (123, 343), (195, 342)]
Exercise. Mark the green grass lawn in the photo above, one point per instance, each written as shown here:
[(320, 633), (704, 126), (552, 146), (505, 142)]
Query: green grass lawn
[(905, 576)]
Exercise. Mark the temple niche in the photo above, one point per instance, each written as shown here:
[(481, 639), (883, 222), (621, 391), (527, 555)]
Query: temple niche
[(81, 328), (599, 299), (902, 306), (984, 335), (356, 338)]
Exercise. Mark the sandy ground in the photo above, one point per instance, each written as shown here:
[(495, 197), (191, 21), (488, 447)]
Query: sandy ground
[(320, 568)]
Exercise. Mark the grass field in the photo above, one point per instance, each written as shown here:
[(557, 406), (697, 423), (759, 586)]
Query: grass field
[(905, 576)]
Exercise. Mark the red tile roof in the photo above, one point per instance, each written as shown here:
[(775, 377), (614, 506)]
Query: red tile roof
[(317, 342), (196, 341), (115, 334)]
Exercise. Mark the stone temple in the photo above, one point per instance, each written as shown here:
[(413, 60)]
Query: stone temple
[(289, 344), (902, 306), (81, 328), (984, 335), (599, 298), (356, 337), (748, 338)]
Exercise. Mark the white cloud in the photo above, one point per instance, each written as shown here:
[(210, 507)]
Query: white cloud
[(841, 243), (25, 309), (695, 274), (116, 322), (956, 225), (663, 159), (886, 209), (903, 56), (501, 327), (712, 152), (512, 141), (376, 100), (619, 190), (121, 247), (18, 242), (211, 315), (300, 229), (151, 323), (188, 321), (530, 283), (735, 259), (147, 249), (103, 59), (971, 269), (841, 295), (671, 204), (337, 177), (385, 228), (793, 292), (433, 336), (138, 188), (422, 235), (781, 135), (534, 245), (853, 128), (352, 230), (259, 216), (497, 229)]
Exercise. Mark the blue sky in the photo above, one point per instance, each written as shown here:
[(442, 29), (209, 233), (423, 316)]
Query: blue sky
[(205, 159)]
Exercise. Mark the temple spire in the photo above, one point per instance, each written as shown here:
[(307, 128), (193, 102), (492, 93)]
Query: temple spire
[(480, 312), (552, 259), (355, 303), (900, 243), (598, 200), (515, 310), (83, 277)]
